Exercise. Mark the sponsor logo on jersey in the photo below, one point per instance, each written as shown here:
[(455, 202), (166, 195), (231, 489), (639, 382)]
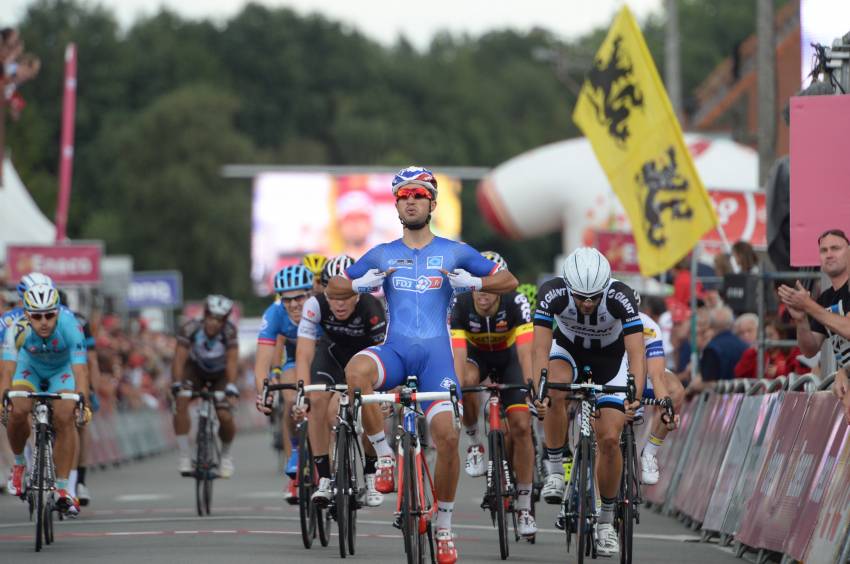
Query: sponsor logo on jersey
[(419, 285), (649, 332), (501, 325), (374, 320), (554, 293), (474, 326), (400, 263), (311, 314), (434, 262), (623, 299), (447, 383)]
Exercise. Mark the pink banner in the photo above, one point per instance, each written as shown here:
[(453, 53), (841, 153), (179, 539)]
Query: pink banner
[(833, 523), (65, 264), (66, 153), (824, 417), (670, 455), (819, 172), (769, 514)]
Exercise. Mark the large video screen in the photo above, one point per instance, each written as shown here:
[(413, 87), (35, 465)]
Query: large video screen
[(821, 21), (297, 213)]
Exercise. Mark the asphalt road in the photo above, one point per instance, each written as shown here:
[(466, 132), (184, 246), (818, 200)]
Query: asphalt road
[(144, 512)]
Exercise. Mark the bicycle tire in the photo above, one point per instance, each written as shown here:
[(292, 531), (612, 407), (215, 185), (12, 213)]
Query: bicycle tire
[(48, 522), (41, 461), (353, 504), (497, 498), (306, 487), (583, 508), (342, 483), (626, 518), (410, 504), (200, 464)]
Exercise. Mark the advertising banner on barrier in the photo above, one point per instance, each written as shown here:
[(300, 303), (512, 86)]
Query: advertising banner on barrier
[(833, 523), (72, 263), (162, 289), (687, 483), (671, 454), (770, 511), (733, 462), (762, 435), (824, 416)]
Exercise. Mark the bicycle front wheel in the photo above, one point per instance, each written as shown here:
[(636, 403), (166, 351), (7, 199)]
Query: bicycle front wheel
[(342, 499), (585, 503), (410, 503), (497, 499), (40, 465), (201, 466), (306, 487), (628, 494)]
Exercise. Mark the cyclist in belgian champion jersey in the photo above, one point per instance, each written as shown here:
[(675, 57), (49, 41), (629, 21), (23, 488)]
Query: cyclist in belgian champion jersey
[(45, 351), (207, 352), (491, 338), (598, 326), (350, 325), (293, 285), (417, 273)]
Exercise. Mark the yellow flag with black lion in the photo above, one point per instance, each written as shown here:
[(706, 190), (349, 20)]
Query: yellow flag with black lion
[(625, 113)]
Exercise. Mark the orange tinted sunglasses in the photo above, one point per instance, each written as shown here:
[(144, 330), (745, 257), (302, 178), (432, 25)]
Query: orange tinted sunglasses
[(418, 193)]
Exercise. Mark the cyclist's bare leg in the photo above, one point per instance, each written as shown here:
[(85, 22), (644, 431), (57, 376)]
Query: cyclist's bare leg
[(556, 423), (322, 416), (470, 377), (677, 394), (227, 426), (65, 447), (287, 423), (83, 450), (361, 372), (18, 427), (519, 423), (447, 468), (182, 422), (609, 466)]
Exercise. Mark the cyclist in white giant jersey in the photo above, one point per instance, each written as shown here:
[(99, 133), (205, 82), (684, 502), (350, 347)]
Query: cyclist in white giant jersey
[(597, 323), (418, 273)]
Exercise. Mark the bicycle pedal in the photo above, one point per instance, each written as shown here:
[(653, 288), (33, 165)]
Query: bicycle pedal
[(397, 522)]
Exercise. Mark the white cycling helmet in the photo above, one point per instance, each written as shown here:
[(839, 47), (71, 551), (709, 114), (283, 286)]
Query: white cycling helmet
[(586, 271), (501, 263), (31, 279), (41, 297), (218, 305)]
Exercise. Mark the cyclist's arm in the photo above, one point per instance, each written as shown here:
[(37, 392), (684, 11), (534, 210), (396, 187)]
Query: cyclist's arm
[(540, 346), (305, 352), (178, 364), (263, 363), (81, 379), (501, 282), (459, 353), (523, 334), (637, 359), (279, 344), (656, 369), (231, 367), (7, 370), (340, 287)]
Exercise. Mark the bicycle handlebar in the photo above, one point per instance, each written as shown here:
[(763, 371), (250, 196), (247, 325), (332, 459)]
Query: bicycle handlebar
[(43, 395), (397, 397), (217, 395), (667, 403), (495, 388)]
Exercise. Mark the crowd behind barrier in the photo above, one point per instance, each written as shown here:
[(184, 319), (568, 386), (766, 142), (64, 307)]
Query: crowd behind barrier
[(765, 464)]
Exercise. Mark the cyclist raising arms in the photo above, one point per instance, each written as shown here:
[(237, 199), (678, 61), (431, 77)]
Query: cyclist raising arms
[(491, 337), (207, 352), (45, 351), (597, 322), (417, 273), (350, 325), (292, 286)]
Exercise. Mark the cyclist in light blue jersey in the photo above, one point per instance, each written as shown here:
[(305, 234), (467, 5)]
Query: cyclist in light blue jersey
[(10, 317), (418, 274), (293, 286), (45, 351)]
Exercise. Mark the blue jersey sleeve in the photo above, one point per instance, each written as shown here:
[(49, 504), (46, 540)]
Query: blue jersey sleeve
[(271, 325), (371, 259), (472, 261), (73, 334), (654, 349)]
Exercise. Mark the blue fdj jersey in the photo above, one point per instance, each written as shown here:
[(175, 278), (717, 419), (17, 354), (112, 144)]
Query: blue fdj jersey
[(276, 322), (66, 345), (418, 293)]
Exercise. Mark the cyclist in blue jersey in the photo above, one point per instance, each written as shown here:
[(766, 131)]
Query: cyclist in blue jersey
[(45, 351), (9, 318), (418, 274), (293, 286)]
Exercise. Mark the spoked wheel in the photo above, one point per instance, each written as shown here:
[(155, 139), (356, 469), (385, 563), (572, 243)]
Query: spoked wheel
[(200, 466), (410, 504), (584, 508), (497, 501), (208, 490), (353, 503), (323, 525), (342, 499), (41, 462), (306, 487), (48, 521), (628, 496)]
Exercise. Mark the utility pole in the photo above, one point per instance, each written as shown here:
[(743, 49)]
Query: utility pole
[(672, 57), (766, 57)]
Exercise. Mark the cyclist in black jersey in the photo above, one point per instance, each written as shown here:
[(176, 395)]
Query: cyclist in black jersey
[(491, 338), (207, 351), (330, 333), (598, 326)]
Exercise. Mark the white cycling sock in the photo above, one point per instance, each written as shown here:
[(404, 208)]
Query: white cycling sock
[(606, 514), (653, 445), (444, 514), (379, 441), (472, 434), (72, 483), (183, 445), (555, 460), (523, 496)]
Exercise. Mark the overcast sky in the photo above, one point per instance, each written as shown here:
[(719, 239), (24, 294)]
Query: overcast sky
[(383, 20)]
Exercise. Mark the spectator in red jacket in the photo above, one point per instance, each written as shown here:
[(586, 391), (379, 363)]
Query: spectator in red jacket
[(778, 361)]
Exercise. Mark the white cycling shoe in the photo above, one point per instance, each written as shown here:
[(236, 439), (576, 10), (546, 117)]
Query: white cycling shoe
[(526, 526), (607, 542), (553, 489), (83, 495), (225, 468), (322, 496), (374, 498), (649, 473), (475, 461), (184, 465)]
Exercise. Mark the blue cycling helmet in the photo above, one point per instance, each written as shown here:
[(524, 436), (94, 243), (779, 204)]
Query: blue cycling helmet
[(418, 176), (294, 277)]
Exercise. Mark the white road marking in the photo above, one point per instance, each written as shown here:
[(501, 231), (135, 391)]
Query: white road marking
[(141, 497)]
